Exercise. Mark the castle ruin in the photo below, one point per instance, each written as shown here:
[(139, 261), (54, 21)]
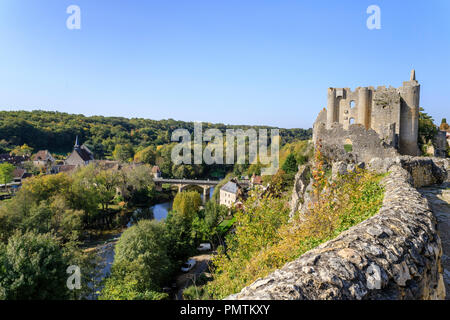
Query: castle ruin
[(393, 113)]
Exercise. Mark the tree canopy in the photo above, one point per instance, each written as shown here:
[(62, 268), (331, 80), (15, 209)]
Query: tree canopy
[(32, 266), (56, 131)]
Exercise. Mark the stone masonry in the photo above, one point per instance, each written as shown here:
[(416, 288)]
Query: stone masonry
[(393, 113), (395, 254)]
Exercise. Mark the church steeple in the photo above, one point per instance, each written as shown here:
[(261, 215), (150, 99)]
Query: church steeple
[(76, 146)]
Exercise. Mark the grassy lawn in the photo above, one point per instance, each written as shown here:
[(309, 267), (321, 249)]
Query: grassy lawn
[(225, 225)]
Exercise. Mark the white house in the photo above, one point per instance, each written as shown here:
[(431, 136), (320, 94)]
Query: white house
[(229, 193)]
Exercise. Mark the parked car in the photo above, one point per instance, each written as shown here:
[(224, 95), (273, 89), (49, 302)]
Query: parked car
[(204, 247), (188, 265)]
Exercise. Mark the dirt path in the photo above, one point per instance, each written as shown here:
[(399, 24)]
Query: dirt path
[(185, 279), (439, 199)]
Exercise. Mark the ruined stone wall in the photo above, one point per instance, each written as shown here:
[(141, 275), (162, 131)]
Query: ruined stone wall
[(380, 109), (395, 254), (365, 144), (440, 143), (385, 112)]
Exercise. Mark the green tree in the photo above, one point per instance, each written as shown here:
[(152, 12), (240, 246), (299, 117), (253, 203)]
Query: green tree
[(123, 152), (290, 165), (200, 231), (146, 155), (32, 266), (83, 194), (164, 159), (106, 183), (141, 265), (427, 130), (6, 173), (179, 236), (139, 188), (187, 203), (23, 150), (444, 125), (56, 131)]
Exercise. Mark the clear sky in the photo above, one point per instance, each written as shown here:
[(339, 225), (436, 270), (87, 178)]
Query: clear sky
[(235, 61)]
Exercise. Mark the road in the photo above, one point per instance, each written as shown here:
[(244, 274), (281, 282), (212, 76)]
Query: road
[(186, 279)]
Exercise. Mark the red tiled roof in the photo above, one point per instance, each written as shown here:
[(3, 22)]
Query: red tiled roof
[(257, 180), (66, 168), (18, 173)]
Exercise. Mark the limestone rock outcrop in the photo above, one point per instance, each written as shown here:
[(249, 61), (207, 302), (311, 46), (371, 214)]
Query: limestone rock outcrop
[(301, 181)]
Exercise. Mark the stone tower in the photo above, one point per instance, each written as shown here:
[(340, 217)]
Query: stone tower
[(392, 112), (409, 116)]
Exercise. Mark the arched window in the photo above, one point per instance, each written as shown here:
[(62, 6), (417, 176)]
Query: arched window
[(352, 121), (352, 104)]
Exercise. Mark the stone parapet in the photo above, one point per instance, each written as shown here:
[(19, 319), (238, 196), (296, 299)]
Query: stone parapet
[(395, 254)]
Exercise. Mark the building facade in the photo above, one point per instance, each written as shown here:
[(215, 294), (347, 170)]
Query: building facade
[(229, 194), (43, 158)]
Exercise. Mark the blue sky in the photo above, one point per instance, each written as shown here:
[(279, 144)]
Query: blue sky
[(235, 62)]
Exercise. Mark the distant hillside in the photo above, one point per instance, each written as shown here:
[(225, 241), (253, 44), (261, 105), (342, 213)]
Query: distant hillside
[(56, 131)]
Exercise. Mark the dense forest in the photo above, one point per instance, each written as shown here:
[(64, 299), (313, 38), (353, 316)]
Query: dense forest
[(56, 131)]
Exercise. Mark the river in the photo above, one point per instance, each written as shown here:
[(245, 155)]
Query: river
[(106, 251)]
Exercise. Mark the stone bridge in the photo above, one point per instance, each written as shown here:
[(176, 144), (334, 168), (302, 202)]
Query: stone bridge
[(206, 185)]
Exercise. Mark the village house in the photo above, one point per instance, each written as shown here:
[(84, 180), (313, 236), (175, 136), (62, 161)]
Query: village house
[(229, 193), (80, 156), (256, 180), (43, 158), (20, 174)]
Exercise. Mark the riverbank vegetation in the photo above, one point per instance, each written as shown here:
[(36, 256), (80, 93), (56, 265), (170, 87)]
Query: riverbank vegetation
[(150, 253), (49, 217)]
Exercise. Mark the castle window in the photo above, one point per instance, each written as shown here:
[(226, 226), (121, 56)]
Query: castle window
[(352, 121), (352, 104)]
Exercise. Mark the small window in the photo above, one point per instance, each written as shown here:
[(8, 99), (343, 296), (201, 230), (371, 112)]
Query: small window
[(352, 121), (352, 104)]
